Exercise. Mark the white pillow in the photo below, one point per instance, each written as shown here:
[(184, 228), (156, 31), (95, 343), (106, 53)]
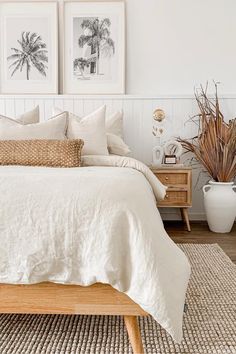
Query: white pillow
[(114, 130), (51, 129), (25, 118), (30, 117), (91, 129), (116, 145), (114, 124)]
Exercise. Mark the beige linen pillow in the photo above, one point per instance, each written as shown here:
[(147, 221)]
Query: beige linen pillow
[(114, 129), (54, 128), (30, 117), (114, 132), (117, 146), (49, 153), (114, 124), (91, 129)]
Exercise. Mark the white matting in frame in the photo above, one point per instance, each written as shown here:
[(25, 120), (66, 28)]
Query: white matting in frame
[(29, 47), (94, 47)]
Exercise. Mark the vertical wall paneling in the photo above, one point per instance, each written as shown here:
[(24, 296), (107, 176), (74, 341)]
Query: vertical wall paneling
[(2, 106), (49, 102), (59, 103), (10, 108), (79, 107), (69, 105)]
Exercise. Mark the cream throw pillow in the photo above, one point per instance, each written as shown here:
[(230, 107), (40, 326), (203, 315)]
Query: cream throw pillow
[(29, 117), (116, 145), (114, 129), (91, 129), (51, 129), (114, 124), (114, 132)]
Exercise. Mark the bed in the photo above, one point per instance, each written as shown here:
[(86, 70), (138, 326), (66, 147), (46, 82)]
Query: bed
[(90, 240)]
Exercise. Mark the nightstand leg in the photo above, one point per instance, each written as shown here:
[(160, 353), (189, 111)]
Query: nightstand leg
[(185, 218)]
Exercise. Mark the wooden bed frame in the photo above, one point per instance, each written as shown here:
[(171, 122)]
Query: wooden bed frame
[(50, 298)]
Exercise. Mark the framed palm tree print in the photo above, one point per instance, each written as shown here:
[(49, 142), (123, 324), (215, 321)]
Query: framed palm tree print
[(94, 47), (29, 47)]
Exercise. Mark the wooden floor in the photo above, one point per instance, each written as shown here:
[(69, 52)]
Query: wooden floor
[(201, 234)]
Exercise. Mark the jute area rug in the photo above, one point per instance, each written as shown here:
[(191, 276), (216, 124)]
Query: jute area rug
[(209, 321)]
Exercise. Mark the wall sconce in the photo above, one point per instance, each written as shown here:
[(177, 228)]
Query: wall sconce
[(159, 115)]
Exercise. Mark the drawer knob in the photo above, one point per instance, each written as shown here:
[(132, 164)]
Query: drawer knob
[(166, 178), (167, 196)]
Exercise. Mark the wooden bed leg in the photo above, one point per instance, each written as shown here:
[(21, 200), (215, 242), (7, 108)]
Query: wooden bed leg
[(131, 323)]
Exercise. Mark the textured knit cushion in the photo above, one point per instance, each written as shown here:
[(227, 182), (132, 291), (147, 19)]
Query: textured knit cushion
[(49, 153)]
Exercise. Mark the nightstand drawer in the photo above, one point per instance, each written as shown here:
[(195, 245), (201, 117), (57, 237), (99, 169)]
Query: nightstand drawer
[(179, 191), (172, 178), (175, 198)]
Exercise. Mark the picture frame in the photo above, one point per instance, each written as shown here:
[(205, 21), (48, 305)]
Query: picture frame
[(29, 47), (170, 160), (91, 65)]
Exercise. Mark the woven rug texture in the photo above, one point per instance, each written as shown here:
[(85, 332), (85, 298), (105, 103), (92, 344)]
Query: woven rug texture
[(209, 321)]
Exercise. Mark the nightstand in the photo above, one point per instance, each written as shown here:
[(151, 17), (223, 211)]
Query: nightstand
[(179, 192)]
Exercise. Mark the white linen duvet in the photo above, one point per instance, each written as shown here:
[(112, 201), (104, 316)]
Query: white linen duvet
[(97, 223)]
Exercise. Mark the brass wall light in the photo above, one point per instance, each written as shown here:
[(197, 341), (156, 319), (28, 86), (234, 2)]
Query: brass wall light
[(159, 115)]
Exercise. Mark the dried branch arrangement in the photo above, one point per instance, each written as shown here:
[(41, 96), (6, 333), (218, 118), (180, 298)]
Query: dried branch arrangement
[(215, 145)]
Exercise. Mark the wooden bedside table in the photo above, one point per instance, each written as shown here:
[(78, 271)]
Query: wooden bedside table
[(179, 192)]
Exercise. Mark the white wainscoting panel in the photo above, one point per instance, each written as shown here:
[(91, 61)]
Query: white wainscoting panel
[(137, 123)]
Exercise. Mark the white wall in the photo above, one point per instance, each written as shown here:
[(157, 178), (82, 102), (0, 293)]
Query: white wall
[(174, 45)]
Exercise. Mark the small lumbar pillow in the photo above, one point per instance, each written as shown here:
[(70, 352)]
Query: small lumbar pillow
[(91, 129), (30, 117), (51, 129), (49, 153)]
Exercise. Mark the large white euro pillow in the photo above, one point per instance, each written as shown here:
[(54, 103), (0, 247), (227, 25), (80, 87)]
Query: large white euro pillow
[(91, 129), (51, 129), (114, 133)]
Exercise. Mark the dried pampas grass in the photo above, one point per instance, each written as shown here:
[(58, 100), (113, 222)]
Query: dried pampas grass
[(215, 145)]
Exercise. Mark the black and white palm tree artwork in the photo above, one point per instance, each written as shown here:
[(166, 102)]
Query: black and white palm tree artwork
[(31, 54), (96, 44)]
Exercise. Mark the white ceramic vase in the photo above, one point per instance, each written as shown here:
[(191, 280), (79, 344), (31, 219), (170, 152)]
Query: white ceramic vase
[(220, 205), (157, 156)]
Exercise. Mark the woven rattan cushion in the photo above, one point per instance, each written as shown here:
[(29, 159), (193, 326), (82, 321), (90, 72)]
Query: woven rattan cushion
[(49, 153)]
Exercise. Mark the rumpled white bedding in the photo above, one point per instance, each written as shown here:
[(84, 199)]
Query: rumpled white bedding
[(93, 224)]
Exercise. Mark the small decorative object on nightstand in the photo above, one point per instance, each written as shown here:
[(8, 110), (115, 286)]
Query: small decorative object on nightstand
[(179, 192)]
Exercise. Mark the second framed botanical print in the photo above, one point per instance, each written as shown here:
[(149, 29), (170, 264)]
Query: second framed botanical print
[(29, 47), (94, 47)]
